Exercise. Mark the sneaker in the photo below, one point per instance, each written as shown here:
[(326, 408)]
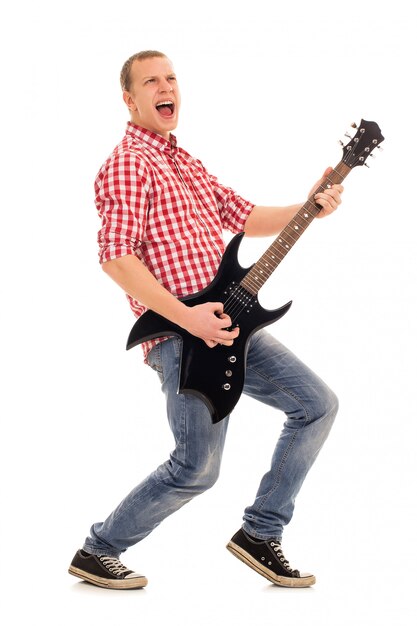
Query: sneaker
[(266, 558), (105, 571)]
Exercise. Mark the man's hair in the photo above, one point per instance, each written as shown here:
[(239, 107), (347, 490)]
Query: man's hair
[(125, 78)]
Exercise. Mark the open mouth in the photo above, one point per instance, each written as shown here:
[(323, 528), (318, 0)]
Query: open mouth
[(166, 108)]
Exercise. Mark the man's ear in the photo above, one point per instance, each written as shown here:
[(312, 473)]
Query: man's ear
[(129, 101)]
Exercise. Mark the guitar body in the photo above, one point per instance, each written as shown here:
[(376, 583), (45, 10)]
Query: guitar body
[(216, 375)]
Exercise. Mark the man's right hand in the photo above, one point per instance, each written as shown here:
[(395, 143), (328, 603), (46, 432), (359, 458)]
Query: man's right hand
[(208, 322)]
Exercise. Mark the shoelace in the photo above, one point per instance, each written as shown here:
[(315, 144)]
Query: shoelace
[(278, 550), (114, 565)]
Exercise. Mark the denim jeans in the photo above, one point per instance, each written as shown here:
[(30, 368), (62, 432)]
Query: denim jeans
[(275, 377)]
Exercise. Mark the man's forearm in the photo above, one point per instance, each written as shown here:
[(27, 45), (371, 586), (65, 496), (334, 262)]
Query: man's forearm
[(206, 321), (264, 221), (137, 281)]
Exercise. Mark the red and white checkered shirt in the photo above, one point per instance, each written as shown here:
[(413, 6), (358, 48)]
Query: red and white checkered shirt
[(160, 204)]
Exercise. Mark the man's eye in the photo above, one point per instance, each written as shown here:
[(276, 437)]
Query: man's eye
[(172, 78), (150, 80)]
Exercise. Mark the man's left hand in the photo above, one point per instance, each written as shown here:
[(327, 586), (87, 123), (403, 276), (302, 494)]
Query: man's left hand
[(330, 198)]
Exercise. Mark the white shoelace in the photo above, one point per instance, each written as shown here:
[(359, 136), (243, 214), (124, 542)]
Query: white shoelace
[(278, 550), (114, 565)]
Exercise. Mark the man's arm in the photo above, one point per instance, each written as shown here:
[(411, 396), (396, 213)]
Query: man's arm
[(264, 221), (206, 321)]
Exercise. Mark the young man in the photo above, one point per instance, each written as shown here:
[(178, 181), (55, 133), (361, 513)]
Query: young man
[(161, 239)]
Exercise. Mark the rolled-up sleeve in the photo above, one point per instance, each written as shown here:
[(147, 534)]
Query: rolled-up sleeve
[(121, 196), (234, 210)]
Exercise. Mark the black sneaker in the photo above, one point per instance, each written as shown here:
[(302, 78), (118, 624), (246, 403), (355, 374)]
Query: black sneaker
[(266, 558), (105, 571)]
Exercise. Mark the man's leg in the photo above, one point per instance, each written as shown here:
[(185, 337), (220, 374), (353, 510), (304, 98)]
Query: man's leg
[(278, 378), (192, 468)]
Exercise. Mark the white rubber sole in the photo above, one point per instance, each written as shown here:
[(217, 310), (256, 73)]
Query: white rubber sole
[(305, 580), (123, 583)]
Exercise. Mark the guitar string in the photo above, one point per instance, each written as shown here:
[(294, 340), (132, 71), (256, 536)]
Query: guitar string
[(233, 312), (237, 304)]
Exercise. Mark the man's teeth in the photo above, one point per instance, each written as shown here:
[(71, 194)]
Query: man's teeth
[(165, 103)]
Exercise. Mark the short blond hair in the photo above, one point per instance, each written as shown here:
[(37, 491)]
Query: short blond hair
[(125, 78)]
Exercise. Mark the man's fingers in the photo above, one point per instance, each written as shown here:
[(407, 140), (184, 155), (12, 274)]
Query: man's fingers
[(224, 338)]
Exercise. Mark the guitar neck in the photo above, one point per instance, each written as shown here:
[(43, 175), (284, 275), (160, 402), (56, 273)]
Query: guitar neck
[(269, 261)]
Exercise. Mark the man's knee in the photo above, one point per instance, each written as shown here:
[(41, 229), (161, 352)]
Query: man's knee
[(197, 479), (327, 407), (202, 478), (331, 403)]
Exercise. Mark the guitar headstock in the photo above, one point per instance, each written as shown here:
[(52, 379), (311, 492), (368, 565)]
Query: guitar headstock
[(368, 137)]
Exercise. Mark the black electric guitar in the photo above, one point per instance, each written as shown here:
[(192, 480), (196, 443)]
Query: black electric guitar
[(217, 374)]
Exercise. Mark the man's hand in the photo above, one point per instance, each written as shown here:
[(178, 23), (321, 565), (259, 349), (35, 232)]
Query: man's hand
[(330, 198), (208, 322)]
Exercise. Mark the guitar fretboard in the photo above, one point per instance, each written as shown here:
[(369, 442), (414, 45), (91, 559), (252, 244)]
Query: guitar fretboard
[(280, 247)]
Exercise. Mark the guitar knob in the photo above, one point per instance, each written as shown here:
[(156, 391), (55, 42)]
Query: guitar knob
[(228, 373), (226, 386), (232, 359)]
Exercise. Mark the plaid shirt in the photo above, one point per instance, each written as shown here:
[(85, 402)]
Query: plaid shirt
[(160, 204)]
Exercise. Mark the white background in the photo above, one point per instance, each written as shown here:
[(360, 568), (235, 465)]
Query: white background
[(268, 88)]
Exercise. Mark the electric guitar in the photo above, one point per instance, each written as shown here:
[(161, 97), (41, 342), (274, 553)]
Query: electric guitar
[(217, 375)]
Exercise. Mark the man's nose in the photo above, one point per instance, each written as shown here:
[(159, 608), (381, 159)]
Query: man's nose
[(165, 86)]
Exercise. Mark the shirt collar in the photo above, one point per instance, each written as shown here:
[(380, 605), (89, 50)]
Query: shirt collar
[(144, 135)]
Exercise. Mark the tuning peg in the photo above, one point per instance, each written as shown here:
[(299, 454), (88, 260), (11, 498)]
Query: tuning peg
[(353, 125), (347, 135), (380, 148), (366, 165), (341, 142)]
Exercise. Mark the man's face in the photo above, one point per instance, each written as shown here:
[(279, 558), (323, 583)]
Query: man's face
[(154, 98)]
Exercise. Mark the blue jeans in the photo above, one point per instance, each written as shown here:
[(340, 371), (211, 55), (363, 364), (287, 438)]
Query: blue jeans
[(274, 376)]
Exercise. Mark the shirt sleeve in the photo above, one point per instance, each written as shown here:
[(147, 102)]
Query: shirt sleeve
[(234, 210), (121, 196)]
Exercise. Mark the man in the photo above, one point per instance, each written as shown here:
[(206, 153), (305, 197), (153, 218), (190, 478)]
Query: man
[(161, 239)]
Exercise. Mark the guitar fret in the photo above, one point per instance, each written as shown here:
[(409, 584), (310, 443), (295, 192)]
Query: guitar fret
[(266, 264), (286, 233), (283, 245), (277, 251), (297, 223), (264, 272), (250, 285), (314, 205)]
